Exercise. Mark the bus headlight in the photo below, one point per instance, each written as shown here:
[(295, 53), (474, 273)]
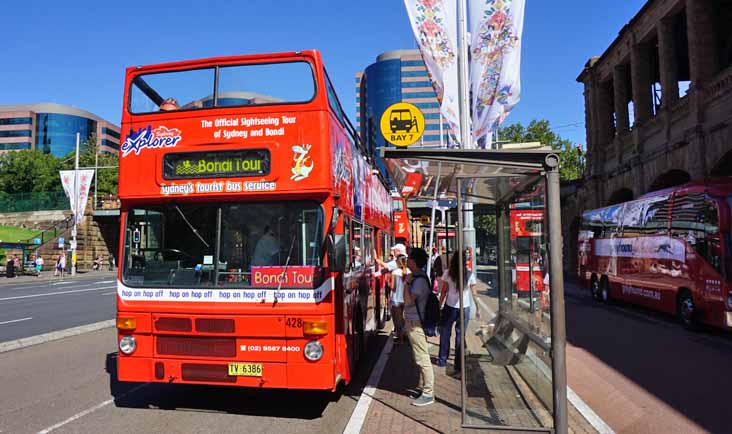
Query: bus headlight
[(313, 351), (127, 344)]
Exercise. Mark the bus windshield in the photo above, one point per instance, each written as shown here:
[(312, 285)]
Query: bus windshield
[(175, 245), (238, 85)]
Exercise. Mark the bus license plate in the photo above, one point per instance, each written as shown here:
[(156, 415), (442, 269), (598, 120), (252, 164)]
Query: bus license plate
[(245, 369)]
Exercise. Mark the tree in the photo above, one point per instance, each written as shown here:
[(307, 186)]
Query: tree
[(29, 171), (571, 159), (107, 179)]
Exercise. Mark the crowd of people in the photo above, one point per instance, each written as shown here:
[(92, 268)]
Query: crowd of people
[(409, 290)]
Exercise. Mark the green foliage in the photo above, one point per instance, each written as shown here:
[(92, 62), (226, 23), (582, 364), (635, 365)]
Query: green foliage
[(106, 178), (572, 162), (32, 171), (28, 171)]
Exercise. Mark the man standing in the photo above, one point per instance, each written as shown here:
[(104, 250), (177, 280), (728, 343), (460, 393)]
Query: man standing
[(415, 301), (266, 248)]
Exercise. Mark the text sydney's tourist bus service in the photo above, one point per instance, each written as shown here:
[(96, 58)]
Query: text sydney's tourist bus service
[(670, 250), (250, 214)]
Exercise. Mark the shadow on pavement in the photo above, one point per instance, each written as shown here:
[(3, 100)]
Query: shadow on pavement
[(281, 403), (689, 371)]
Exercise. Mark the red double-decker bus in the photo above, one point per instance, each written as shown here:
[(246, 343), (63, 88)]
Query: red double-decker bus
[(249, 217), (402, 220), (669, 250), (527, 239)]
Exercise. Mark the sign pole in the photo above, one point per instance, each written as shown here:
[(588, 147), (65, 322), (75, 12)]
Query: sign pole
[(76, 207)]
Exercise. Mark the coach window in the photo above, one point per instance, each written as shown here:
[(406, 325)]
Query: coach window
[(657, 216), (347, 238), (356, 252), (695, 220)]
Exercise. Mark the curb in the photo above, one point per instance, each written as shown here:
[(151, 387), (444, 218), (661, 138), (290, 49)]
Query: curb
[(54, 336)]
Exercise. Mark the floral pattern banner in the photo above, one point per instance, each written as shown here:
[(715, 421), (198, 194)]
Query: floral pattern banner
[(67, 180), (496, 27), (434, 23)]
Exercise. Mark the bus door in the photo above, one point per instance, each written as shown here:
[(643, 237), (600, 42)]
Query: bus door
[(695, 222)]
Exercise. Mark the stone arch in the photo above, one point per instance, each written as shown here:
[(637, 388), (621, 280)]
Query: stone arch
[(724, 166), (672, 178), (620, 196)]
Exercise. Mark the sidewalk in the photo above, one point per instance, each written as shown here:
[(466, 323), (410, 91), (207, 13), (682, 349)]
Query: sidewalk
[(47, 276), (496, 395)]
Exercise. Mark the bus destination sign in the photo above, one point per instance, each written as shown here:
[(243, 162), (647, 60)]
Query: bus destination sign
[(216, 164)]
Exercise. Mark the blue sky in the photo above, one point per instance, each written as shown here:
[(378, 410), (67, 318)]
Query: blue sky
[(75, 52)]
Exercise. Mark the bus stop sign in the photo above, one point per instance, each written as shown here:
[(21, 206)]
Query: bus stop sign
[(402, 124)]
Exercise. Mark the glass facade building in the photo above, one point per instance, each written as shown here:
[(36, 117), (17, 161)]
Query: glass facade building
[(52, 128), (396, 76)]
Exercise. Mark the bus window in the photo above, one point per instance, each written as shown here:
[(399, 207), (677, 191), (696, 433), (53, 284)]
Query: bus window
[(356, 253), (271, 83), (347, 238), (149, 91), (368, 245), (178, 242), (397, 205), (695, 220)]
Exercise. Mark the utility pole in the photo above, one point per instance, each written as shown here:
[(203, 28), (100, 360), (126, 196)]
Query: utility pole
[(76, 207), (465, 129)]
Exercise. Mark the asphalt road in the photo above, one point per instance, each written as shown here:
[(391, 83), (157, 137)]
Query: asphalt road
[(69, 386), (31, 306), (642, 372)]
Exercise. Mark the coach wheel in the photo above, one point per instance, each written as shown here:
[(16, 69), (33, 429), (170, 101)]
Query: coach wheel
[(687, 310), (595, 288), (604, 291)]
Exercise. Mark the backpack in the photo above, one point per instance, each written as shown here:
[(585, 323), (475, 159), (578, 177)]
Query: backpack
[(430, 318)]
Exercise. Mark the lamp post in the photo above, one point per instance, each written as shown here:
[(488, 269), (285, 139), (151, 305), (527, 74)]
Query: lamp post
[(76, 207)]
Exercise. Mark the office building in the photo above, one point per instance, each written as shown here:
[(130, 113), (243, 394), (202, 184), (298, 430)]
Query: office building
[(51, 128), (396, 76)]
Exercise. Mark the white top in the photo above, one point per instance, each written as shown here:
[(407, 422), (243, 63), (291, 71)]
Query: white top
[(264, 250), (453, 299), (397, 296)]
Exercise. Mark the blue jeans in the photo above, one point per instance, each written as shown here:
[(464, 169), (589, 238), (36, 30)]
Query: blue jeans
[(450, 316)]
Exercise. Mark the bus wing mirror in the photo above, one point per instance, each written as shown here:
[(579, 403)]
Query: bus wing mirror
[(337, 253)]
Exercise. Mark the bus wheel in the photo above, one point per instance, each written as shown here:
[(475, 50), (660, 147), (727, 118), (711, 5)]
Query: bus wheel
[(604, 291), (358, 337), (595, 288), (686, 310)]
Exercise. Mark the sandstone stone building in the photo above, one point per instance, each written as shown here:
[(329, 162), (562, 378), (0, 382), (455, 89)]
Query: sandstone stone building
[(658, 107)]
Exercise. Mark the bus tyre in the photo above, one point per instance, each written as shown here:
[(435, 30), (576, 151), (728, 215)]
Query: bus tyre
[(359, 347), (687, 310), (595, 288), (604, 291)]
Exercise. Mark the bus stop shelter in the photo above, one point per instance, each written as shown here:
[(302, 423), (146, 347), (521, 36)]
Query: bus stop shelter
[(514, 369)]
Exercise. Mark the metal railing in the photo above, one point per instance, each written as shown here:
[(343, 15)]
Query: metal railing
[(34, 201), (51, 233)]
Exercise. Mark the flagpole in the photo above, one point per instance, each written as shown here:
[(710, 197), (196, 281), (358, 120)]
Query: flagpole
[(465, 131), (76, 206)]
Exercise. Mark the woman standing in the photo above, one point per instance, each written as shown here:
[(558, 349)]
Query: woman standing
[(449, 294)]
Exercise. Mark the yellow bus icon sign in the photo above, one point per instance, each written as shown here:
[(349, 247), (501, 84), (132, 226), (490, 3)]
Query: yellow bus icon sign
[(402, 124)]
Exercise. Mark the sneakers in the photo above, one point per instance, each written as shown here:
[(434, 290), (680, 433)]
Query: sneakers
[(423, 400)]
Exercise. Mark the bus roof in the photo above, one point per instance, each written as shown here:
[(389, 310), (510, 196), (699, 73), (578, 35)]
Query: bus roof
[(183, 64), (716, 186)]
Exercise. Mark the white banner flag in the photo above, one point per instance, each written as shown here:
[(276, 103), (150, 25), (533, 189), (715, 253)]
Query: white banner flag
[(496, 27), (434, 23), (85, 179)]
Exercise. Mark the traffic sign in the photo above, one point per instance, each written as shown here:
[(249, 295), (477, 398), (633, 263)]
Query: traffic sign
[(60, 242), (72, 245), (402, 124), (36, 241), (424, 219)]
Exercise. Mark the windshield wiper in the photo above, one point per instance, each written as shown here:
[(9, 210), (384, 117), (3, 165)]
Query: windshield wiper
[(195, 232), (287, 264)]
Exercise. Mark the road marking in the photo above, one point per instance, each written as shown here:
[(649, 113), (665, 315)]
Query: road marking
[(53, 336), (107, 281), (55, 293), (111, 292), (90, 410), (64, 282), (16, 320), (355, 423), (585, 410)]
